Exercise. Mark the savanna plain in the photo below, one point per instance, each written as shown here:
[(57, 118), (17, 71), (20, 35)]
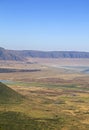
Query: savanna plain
[(44, 94)]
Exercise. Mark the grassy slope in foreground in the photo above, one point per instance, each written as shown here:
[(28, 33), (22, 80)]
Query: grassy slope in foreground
[(18, 120)]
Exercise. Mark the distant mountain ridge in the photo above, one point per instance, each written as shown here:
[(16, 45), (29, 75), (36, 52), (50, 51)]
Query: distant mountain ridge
[(19, 55), (9, 55)]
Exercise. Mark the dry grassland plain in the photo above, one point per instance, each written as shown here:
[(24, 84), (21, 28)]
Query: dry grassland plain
[(55, 96)]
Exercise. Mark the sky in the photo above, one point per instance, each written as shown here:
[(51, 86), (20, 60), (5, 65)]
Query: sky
[(49, 25)]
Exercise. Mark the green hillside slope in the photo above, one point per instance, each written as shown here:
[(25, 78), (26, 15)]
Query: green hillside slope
[(7, 95)]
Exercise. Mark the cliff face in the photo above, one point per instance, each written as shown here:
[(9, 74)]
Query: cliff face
[(22, 55), (55, 54)]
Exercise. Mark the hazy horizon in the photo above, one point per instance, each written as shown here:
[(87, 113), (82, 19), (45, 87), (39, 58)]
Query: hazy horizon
[(47, 25), (42, 50)]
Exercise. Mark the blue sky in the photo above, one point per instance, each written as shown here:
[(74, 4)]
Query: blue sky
[(44, 24)]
